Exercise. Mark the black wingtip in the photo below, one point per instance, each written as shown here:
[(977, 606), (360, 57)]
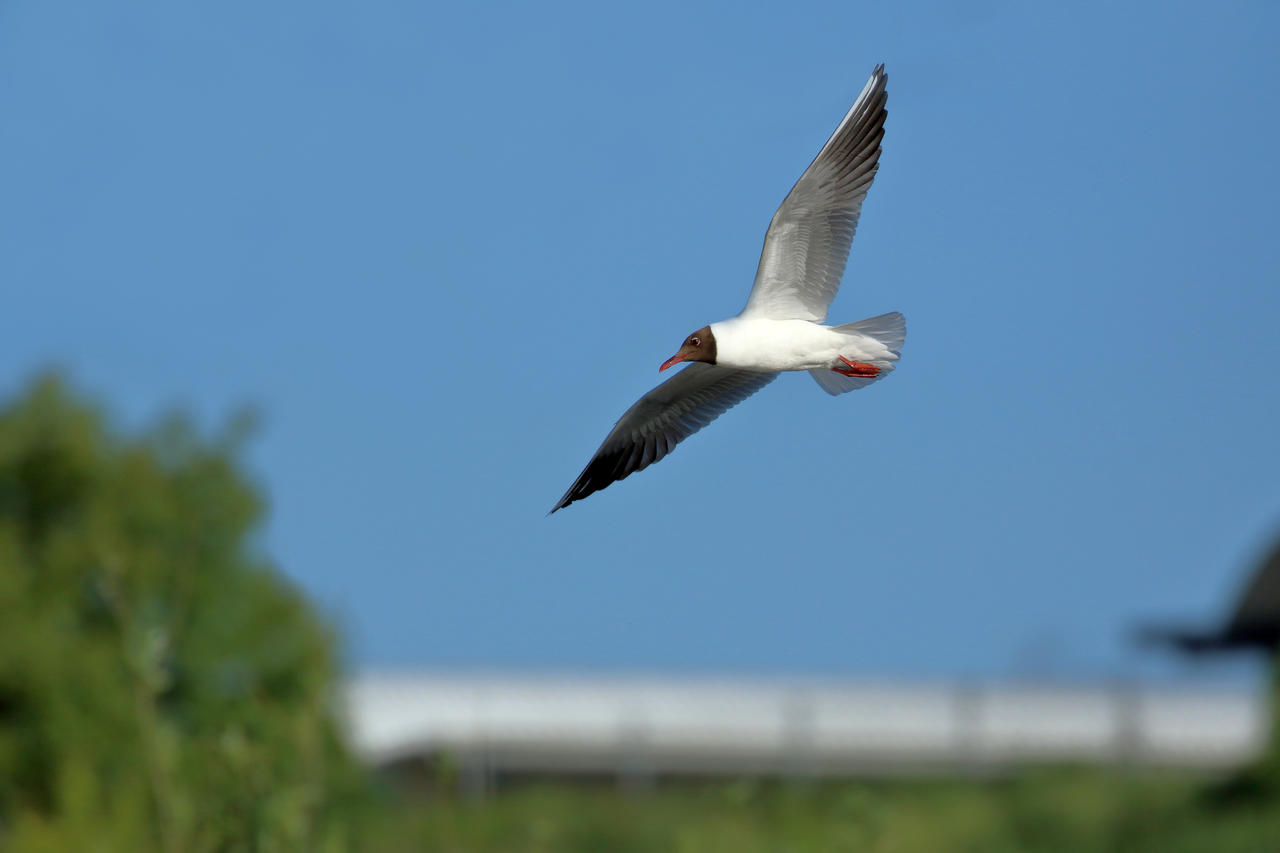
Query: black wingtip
[(880, 74), (565, 499)]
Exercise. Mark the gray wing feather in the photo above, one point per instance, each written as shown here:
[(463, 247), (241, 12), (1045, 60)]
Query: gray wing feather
[(808, 241), (660, 420)]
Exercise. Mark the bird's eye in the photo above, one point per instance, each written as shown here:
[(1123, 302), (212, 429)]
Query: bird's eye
[(694, 342)]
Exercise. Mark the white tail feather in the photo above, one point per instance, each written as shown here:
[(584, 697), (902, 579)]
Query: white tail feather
[(888, 330)]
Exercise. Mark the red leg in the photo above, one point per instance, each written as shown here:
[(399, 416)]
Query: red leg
[(856, 368)]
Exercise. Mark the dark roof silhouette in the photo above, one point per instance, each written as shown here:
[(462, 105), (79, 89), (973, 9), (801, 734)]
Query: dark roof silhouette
[(1255, 623)]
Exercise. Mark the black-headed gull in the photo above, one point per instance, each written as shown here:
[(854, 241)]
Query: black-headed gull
[(781, 327)]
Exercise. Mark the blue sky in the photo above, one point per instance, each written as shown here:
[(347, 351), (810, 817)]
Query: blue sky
[(443, 247)]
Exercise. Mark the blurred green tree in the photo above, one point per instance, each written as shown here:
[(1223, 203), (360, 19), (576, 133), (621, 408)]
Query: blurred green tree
[(162, 687)]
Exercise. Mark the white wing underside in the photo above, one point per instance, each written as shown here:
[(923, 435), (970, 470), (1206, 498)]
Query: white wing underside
[(809, 237), (661, 419)]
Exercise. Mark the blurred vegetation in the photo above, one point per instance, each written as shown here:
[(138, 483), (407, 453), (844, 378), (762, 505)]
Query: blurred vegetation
[(162, 688), (1055, 811)]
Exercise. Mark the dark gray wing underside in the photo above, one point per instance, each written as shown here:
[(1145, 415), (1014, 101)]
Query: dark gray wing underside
[(660, 420)]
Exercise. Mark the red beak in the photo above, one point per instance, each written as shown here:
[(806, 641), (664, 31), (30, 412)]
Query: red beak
[(675, 359)]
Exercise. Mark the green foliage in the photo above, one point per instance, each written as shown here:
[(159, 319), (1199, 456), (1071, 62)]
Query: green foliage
[(1051, 811), (161, 687)]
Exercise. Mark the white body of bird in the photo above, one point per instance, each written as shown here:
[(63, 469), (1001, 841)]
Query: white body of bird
[(773, 346)]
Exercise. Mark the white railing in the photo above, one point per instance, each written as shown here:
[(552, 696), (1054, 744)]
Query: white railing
[(658, 726)]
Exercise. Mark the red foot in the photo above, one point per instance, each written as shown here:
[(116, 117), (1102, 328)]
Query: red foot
[(856, 368)]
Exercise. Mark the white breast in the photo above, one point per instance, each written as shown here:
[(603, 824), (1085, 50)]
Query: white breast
[(756, 343)]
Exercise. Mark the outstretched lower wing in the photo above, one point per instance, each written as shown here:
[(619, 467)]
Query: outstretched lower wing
[(661, 419)]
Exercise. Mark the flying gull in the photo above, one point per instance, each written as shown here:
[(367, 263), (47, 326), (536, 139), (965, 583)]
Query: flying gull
[(781, 327)]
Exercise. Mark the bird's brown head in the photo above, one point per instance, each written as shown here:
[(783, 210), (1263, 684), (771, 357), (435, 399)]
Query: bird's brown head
[(700, 346)]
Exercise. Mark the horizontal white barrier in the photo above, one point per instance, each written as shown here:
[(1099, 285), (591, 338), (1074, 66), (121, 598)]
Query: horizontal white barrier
[(532, 724)]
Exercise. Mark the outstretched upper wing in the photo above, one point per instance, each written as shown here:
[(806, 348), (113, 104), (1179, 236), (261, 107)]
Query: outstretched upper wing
[(808, 240), (661, 419)]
